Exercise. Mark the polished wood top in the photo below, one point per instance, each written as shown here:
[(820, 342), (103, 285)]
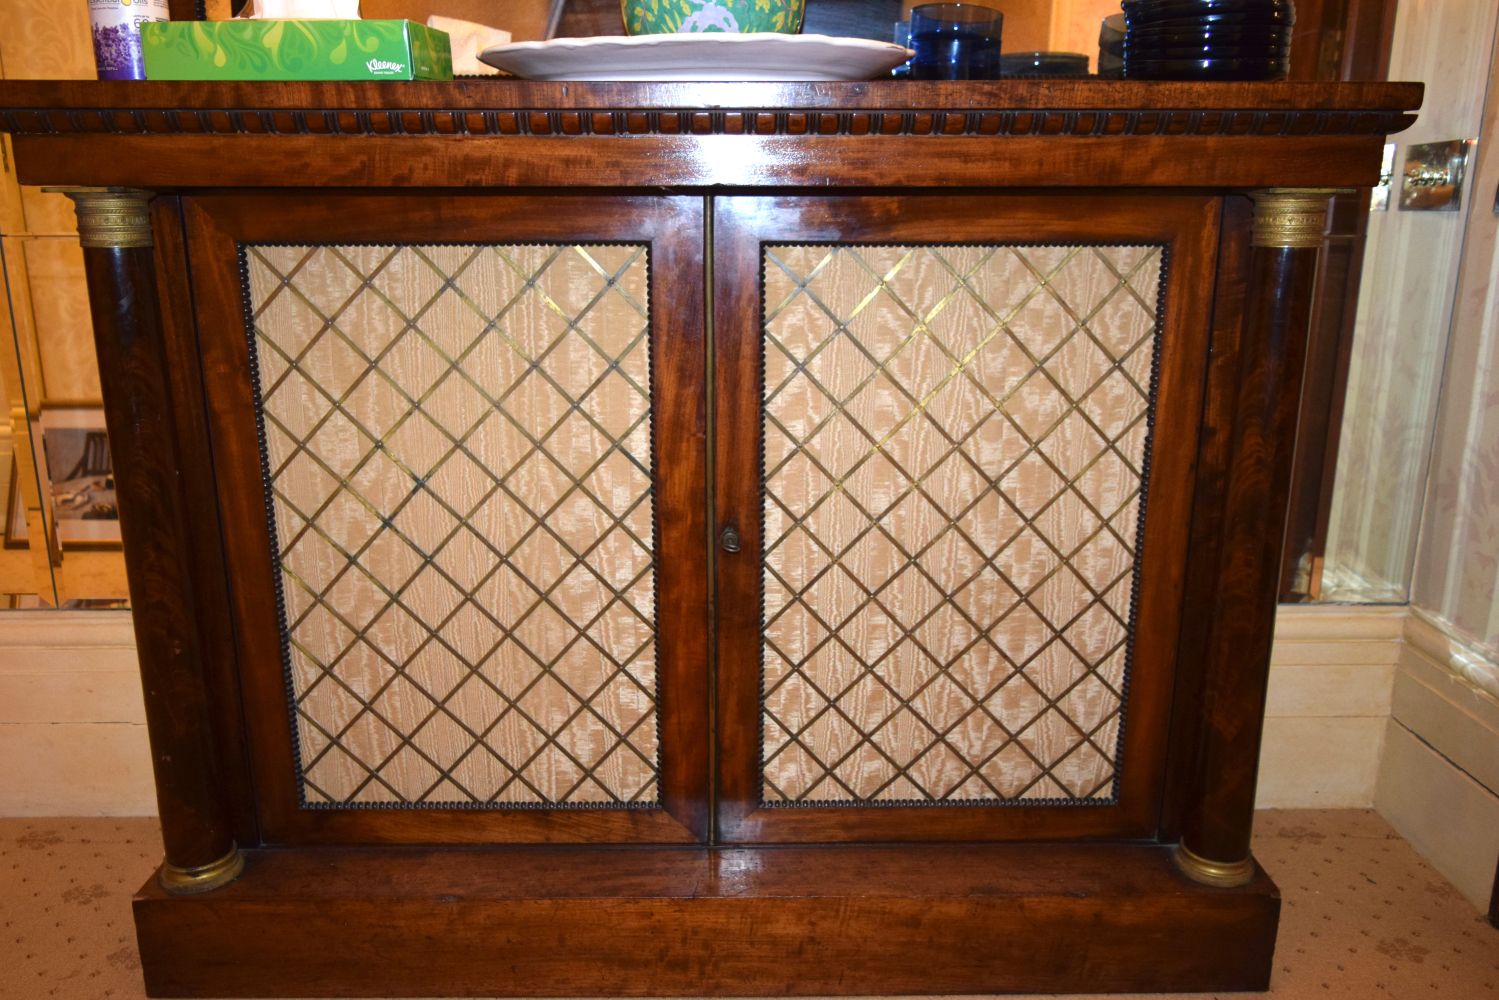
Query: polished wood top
[(983, 134), (490, 94)]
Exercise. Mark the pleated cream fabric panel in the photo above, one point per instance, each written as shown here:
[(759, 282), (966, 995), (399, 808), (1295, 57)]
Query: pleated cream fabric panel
[(458, 450), (955, 443)]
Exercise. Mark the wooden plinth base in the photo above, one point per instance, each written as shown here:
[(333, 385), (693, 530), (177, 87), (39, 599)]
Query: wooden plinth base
[(549, 921)]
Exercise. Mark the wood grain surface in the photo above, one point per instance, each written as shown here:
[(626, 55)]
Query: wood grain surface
[(673, 230), (155, 520), (549, 901), (1187, 225), (1012, 133), (1277, 307), (744, 922)]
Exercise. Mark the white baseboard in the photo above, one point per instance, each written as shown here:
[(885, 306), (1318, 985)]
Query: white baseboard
[(71, 719), (1332, 670), (1437, 642), (1367, 706), (1439, 780), (72, 723)]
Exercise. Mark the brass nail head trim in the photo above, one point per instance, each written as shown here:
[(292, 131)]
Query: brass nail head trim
[(1290, 218), (1221, 874), (204, 878), (112, 218)]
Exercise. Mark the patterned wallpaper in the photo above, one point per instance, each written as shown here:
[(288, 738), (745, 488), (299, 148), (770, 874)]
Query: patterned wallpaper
[(45, 42), (1457, 569), (1416, 511), (1405, 310)]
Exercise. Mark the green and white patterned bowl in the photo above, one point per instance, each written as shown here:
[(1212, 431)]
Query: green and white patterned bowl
[(656, 17)]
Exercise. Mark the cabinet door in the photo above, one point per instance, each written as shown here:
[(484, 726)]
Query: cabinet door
[(460, 447), (955, 441)]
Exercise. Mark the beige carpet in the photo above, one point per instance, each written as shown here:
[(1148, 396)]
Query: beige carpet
[(1364, 917)]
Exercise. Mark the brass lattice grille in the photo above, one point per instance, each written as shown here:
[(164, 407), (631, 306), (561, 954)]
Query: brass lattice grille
[(955, 464), (458, 457)]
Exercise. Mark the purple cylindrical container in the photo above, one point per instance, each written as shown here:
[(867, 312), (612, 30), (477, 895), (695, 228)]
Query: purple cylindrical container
[(117, 35)]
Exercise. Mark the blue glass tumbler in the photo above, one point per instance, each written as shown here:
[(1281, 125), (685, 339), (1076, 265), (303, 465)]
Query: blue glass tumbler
[(955, 41)]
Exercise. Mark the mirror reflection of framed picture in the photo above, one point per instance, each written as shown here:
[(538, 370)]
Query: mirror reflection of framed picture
[(79, 474), (15, 509)]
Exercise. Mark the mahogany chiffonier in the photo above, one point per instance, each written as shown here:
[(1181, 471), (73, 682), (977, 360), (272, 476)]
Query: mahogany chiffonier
[(640, 539)]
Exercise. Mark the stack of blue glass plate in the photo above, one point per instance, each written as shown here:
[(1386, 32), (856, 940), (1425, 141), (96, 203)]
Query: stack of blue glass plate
[(1043, 64), (1207, 39)]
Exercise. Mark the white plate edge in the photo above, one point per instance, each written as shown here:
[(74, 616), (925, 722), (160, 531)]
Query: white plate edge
[(710, 37)]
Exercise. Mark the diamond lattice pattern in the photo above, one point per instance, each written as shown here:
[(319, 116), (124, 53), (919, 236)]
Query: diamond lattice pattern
[(458, 447), (955, 443)]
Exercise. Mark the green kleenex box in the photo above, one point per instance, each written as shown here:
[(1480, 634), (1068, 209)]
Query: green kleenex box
[(246, 49)]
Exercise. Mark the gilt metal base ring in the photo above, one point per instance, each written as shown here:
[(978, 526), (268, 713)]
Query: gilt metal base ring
[(1223, 874), (203, 878)]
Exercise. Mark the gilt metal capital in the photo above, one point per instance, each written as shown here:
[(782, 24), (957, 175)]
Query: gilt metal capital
[(1290, 217), (112, 218)]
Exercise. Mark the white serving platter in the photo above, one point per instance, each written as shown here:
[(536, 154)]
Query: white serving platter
[(707, 56)]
